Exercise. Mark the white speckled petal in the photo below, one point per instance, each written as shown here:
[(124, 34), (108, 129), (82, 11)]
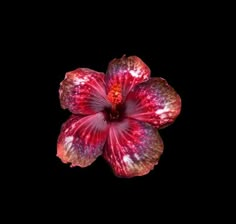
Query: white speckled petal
[(155, 102), (82, 139), (126, 72), (83, 91), (133, 148)]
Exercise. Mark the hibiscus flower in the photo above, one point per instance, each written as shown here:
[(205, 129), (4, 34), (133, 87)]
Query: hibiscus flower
[(116, 115)]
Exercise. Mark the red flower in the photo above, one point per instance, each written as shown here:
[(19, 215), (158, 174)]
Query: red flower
[(116, 115)]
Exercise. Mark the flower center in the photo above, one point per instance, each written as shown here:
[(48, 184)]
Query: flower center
[(114, 114)]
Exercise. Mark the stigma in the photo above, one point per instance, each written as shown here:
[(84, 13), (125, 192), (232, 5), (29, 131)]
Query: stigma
[(115, 95)]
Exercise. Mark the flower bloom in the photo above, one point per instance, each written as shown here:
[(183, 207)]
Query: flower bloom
[(116, 115)]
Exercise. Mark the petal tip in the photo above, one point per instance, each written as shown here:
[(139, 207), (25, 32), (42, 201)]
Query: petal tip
[(71, 158), (61, 153)]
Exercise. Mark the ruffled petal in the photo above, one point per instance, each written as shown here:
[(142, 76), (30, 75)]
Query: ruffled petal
[(133, 148), (154, 102), (83, 91), (122, 75), (82, 139)]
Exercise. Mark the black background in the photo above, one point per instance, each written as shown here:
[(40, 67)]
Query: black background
[(169, 41), (166, 53)]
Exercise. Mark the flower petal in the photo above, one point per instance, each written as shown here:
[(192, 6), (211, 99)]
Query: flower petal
[(126, 72), (154, 102), (133, 148), (83, 91), (82, 139)]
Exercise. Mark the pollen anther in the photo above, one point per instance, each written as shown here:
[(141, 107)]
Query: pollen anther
[(115, 95)]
